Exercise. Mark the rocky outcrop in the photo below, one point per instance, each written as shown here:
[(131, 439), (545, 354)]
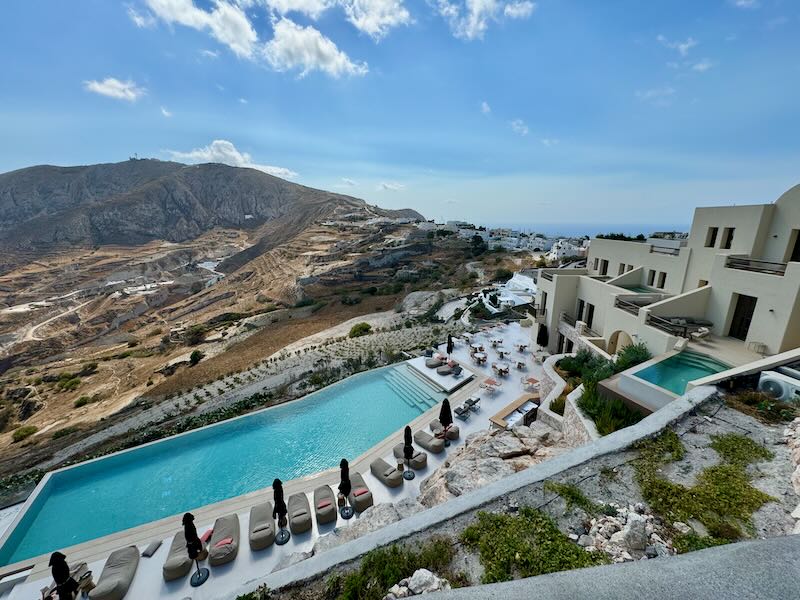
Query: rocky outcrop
[(792, 437), (490, 456), (633, 533), (421, 582)]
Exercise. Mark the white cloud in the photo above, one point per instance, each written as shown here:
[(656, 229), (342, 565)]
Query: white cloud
[(777, 22), (223, 151), (165, 112), (518, 126), (657, 96), (209, 54), (305, 48), (347, 182), (390, 186), (226, 22), (746, 3), (243, 101), (702, 66), (376, 17), (311, 8), (485, 108), (469, 19), (114, 88), (519, 10), (549, 142), (682, 47), (143, 21)]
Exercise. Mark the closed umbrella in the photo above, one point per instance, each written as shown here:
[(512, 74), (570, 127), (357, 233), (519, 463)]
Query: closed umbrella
[(542, 337), (408, 453), (344, 489), (194, 547), (279, 512), (449, 344), (446, 419)]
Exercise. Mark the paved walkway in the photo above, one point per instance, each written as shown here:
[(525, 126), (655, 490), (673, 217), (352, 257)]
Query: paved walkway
[(758, 570)]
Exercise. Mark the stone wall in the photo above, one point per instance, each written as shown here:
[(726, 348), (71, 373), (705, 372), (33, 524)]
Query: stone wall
[(576, 428), (550, 388)]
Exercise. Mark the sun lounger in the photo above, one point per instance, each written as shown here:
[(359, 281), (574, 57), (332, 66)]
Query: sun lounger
[(385, 472), (474, 404), (430, 443), (117, 575), (75, 572), (178, 564), (457, 370), (444, 370), (462, 412), (262, 526), (433, 363), (452, 433), (299, 513), (224, 544), (418, 461), (360, 497), (324, 505)]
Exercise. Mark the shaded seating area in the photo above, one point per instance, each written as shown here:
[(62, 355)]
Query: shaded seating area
[(418, 461), (117, 575), (360, 498), (324, 505), (299, 513), (438, 430), (262, 526), (224, 544), (386, 473), (177, 564), (462, 412), (432, 444)]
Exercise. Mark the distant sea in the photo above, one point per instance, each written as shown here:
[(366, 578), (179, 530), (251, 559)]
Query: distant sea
[(590, 229)]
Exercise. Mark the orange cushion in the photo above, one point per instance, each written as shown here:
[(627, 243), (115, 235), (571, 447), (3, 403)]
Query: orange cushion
[(206, 536), (223, 542), (360, 492), (324, 504)]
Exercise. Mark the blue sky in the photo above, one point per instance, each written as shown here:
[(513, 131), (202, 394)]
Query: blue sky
[(497, 111)]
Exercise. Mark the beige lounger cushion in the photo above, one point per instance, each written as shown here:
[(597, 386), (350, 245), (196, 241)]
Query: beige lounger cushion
[(362, 502), (388, 474), (452, 433), (224, 527), (326, 514), (178, 564), (433, 363), (262, 526), (418, 461), (299, 513), (117, 575), (430, 443)]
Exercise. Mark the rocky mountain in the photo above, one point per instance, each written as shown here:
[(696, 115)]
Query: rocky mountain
[(45, 208)]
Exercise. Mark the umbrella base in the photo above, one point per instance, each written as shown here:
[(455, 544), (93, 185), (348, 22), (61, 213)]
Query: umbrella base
[(446, 442), (347, 512), (282, 537), (408, 475), (199, 577)]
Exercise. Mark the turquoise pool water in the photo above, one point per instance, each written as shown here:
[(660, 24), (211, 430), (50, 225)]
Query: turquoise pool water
[(675, 372), (638, 289), (220, 462)]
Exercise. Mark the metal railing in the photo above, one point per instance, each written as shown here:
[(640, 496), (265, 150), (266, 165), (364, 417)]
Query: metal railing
[(590, 333), (745, 263), (663, 250), (568, 319), (629, 307), (547, 275)]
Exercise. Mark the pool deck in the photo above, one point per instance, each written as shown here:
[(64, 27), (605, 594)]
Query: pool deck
[(248, 566)]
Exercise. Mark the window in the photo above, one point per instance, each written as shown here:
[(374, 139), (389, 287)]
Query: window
[(596, 263), (603, 267), (662, 279), (630, 268), (651, 277), (711, 237), (589, 318), (727, 238), (702, 283), (579, 315), (568, 346), (621, 269)]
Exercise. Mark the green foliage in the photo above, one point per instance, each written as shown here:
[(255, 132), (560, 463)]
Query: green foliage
[(524, 545), (621, 237), (84, 400), (477, 246), (479, 311), (360, 329), (18, 481), (630, 356), (739, 450), (22, 433), (573, 496), (68, 385), (609, 414), (195, 335), (305, 302), (722, 499), (690, 542), (64, 432), (262, 593), (763, 407), (502, 275), (195, 357), (559, 404), (381, 568)]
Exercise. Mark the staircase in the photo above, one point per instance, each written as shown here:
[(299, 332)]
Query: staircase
[(413, 391)]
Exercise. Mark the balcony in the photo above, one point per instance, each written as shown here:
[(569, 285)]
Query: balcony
[(547, 275), (539, 314), (626, 305), (663, 250), (745, 263), (586, 331)]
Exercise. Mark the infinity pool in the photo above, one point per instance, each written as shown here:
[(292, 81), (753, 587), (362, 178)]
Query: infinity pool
[(219, 462), (675, 372)]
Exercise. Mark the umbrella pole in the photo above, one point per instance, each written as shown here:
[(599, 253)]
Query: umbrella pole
[(446, 439), (408, 474), (283, 535), (346, 511), (200, 576)]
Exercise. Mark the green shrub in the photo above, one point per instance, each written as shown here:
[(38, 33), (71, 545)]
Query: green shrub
[(502, 275), (304, 302), (608, 414), (64, 432), (763, 407), (23, 432), (630, 356), (68, 385), (573, 496), (360, 329), (559, 404), (195, 357)]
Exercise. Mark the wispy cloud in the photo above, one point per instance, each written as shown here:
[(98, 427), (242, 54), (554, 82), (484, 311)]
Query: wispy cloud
[(549, 142), (518, 126), (114, 88), (469, 19), (702, 66), (166, 112), (310, 8), (519, 10), (223, 151), (376, 17), (390, 186), (347, 182), (243, 101), (657, 96), (205, 53), (745, 3), (485, 108), (143, 21), (777, 22), (682, 47)]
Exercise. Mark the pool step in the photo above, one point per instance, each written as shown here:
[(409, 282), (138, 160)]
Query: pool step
[(409, 391)]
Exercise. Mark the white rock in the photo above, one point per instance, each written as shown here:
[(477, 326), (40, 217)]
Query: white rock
[(796, 512), (585, 541), (424, 582), (292, 559), (682, 528), (573, 537), (617, 537), (634, 534)]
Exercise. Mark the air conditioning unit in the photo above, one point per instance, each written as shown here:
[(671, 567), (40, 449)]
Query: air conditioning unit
[(779, 386)]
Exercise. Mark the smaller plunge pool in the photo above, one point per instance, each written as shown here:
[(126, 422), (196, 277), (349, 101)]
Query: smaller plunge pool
[(675, 372)]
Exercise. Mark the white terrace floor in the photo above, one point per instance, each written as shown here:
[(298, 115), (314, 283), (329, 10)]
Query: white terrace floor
[(148, 582)]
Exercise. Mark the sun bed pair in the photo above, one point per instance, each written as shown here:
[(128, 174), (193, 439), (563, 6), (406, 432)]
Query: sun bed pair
[(75, 572), (462, 412), (117, 575), (299, 513), (474, 404), (419, 459), (433, 363), (430, 443), (437, 429), (386, 473), (360, 497)]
